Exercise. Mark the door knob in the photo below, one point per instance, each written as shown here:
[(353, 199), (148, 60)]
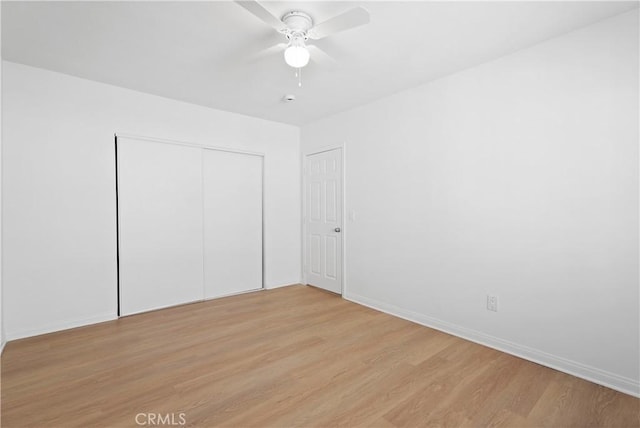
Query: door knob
[(337, 229)]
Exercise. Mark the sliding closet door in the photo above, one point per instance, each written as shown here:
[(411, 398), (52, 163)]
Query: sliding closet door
[(232, 222), (160, 225)]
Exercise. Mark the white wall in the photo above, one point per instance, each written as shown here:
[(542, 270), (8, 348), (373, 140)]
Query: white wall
[(517, 178), (59, 190)]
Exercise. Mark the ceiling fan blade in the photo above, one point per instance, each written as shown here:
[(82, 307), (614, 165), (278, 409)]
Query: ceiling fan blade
[(261, 13), (321, 57), (350, 19), (272, 50)]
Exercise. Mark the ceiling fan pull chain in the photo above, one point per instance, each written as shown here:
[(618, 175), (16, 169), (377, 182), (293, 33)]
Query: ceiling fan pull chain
[(299, 78)]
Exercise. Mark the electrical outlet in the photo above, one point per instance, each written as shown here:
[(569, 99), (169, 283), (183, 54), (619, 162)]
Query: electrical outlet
[(492, 303)]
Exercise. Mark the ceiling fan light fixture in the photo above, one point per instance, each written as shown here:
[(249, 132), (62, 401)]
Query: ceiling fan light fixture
[(298, 26), (296, 55)]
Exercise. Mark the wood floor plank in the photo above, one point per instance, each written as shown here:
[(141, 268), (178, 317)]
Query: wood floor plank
[(571, 402), (294, 356)]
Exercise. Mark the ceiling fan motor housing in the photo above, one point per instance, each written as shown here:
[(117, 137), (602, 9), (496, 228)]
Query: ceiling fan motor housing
[(298, 23)]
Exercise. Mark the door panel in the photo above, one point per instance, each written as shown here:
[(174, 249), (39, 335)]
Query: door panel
[(315, 200), (314, 257), (331, 254), (331, 214), (232, 222), (160, 225), (323, 213)]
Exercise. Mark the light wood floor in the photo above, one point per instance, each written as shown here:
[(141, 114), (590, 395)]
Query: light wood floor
[(289, 357)]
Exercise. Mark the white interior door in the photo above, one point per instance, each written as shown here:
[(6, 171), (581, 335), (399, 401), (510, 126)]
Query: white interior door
[(160, 225), (323, 220), (232, 222)]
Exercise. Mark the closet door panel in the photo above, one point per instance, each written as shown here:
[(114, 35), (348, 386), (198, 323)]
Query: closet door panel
[(232, 222), (160, 225)]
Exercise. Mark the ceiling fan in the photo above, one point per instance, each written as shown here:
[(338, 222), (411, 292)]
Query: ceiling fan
[(298, 27)]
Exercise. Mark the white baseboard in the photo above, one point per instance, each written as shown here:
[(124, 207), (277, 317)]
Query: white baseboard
[(65, 325), (592, 374), (288, 284), (58, 326)]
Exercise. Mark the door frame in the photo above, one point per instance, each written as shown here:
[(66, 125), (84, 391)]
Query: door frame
[(305, 155), (202, 146)]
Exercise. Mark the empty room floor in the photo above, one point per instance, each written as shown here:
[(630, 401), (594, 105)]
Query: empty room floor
[(294, 356)]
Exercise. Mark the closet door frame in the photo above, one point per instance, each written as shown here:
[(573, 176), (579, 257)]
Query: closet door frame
[(261, 155)]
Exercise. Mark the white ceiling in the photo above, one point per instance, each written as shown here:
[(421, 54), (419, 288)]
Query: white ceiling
[(206, 52)]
